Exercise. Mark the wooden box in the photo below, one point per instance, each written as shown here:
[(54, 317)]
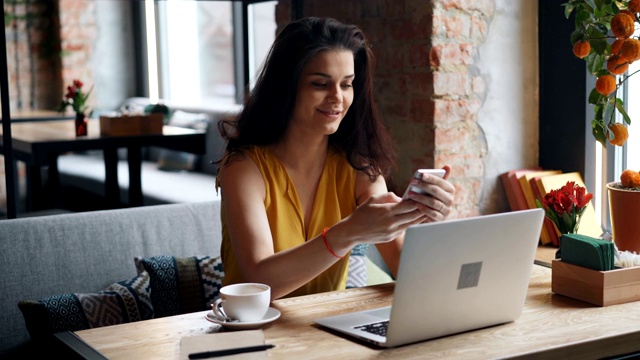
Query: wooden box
[(131, 125), (600, 288)]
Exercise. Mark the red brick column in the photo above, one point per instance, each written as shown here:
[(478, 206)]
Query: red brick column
[(427, 87), (459, 27), (77, 37)]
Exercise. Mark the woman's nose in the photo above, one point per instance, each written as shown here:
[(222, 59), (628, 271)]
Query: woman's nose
[(335, 94)]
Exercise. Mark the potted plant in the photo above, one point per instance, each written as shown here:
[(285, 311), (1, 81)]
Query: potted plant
[(624, 206), (605, 38)]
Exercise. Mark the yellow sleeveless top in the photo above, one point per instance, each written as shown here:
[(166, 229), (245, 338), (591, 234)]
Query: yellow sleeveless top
[(335, 199)]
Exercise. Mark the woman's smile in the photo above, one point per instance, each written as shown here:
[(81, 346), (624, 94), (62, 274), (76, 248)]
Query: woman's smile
[(334, 114)]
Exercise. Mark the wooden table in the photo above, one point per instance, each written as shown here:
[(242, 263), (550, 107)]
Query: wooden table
[(40, 115), (38, 144), (551, 326)]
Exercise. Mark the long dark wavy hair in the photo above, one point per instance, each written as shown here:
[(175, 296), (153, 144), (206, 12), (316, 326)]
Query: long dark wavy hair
[(268, 109)]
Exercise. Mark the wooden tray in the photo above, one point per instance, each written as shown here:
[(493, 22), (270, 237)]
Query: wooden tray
[(131, 125), (600, 288)]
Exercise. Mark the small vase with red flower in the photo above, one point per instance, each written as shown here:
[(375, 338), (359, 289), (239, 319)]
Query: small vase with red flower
[(77, 98)]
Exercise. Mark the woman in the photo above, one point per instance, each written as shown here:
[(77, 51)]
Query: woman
[(302, 177)]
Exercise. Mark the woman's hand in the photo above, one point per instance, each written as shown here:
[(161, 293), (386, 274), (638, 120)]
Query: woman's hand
[(436, 203), (380, 219)]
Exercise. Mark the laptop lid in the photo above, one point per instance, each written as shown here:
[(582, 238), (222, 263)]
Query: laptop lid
[(455, 276)]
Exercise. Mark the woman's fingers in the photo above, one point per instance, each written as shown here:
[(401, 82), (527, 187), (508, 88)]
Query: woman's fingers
[(438, 196)]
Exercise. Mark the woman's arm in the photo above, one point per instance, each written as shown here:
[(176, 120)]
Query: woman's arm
[(380, 217), (243, 191)]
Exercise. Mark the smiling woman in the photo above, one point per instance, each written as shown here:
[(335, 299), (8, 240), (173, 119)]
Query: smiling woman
[(303, 176)]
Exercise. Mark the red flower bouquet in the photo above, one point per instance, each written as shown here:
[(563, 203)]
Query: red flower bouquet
[(75, 98), (565, 206)]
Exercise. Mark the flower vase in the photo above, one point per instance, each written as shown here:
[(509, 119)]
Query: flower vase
[(624, 207), (81, 124)]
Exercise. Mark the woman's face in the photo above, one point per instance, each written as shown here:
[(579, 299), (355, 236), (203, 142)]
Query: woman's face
[(325, 92)]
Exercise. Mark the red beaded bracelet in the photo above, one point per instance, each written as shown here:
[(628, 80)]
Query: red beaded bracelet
[(326, 243)]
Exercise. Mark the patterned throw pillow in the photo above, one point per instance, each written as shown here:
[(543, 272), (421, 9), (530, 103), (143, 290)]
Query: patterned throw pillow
[(122, 302), (182, 285), (357, 276)]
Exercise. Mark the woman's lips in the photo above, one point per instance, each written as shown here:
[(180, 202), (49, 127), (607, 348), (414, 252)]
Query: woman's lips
[(331, 112)]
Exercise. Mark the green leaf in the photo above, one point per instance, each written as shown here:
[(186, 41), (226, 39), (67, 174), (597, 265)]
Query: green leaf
[(599, 45), (623, 112), (576, 36), (595, 62), (609, 109), (598, 112), (607, 9), (567, 220), (568, 8), (602, 28), (619, 5), (598, 132), (583, 16), (594, 96), (599, 3)]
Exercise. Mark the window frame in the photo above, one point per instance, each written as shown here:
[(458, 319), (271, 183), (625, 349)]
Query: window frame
[(241, 43)]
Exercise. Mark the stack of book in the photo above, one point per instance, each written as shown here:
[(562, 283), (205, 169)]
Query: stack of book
[(524, 186)]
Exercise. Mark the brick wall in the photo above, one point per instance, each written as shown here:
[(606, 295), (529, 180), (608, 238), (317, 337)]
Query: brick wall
[(426, 83), (77, 37)]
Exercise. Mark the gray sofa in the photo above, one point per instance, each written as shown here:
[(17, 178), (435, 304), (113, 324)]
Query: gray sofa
[(86, 252)]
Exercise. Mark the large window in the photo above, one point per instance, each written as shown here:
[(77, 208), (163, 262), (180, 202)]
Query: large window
[(632, 149), (193, 52)]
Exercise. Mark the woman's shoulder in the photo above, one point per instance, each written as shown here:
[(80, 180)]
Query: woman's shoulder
[(244, 153), (258, 159), (239, 169)]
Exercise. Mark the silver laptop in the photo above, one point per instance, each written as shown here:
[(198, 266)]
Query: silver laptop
[(454, 276)]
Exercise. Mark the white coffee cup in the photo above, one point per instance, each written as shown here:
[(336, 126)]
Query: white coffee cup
[(243, 302)]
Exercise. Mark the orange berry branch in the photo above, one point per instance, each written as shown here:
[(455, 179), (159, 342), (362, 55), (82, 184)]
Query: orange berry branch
[(604, 38)]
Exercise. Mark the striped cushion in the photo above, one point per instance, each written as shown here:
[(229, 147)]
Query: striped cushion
[(122, 302), (182, 285)]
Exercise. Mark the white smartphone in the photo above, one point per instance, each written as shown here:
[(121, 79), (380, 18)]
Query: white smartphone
[(418, 175)]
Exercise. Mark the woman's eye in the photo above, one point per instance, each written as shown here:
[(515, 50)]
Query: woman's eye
[(346, 85), (317, 84)]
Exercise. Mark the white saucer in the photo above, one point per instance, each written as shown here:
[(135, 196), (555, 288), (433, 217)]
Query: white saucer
[(271, 315)]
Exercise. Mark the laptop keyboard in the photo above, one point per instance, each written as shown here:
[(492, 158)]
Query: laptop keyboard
[(377, 328)]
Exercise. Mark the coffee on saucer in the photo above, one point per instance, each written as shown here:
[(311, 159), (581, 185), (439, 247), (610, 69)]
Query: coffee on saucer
[(243, 302)]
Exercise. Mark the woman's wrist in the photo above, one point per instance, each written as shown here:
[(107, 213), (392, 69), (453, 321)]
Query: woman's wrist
[(337, 240), (327, 245)]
